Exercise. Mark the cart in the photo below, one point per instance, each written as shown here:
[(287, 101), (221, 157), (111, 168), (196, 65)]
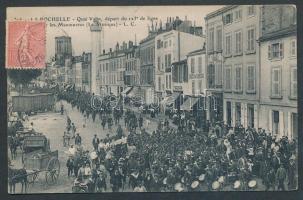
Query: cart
[(38, 159)]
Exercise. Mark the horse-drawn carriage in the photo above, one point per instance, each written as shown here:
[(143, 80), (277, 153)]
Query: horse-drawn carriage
[(37, 158)]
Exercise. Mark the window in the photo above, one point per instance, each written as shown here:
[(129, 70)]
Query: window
[(159, 83), (293, 47), (168, 60), (238, 114), (251, 39), (238, 15), (251, 78), (238, 42), (228, 77), (293, 82), (211, 39), (200, 65), (166, 81), (276, 82), (228, 19), (275, 50), (159, 63), (158, 44), (238, 78), (218, 74), (275, 122), (193, 87), (211, 75), (192, 65), (228, 45), (251, 10), (165, 44), (200, 85), (219, 39)]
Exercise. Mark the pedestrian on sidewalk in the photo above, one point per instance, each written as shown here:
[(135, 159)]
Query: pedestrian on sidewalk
[(84, 120), (78, 139), (140, 121), (74, 129), (103, 123), (70, 166), (280, 177), (110, 123), (95, 142)]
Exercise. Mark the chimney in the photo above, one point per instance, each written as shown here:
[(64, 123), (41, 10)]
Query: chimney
[(103, 51), (110, 50), (117, 46)]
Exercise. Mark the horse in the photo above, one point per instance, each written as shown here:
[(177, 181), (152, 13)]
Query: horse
[(17, 176)]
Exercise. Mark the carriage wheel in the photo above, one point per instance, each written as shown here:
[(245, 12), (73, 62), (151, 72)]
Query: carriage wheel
[(53, 171)]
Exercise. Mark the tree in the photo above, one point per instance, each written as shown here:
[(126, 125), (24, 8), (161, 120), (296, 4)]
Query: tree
[(23, 77)]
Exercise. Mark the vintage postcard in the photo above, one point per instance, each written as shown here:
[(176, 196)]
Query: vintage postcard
[(152, 98)]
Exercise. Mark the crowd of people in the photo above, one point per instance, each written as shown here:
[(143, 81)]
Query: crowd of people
[(186, 158)]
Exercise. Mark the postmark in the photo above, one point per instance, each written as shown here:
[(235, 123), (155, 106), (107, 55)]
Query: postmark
[(25, 47)]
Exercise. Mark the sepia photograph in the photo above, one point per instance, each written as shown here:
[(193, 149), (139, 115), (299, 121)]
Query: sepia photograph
[(199, 98)]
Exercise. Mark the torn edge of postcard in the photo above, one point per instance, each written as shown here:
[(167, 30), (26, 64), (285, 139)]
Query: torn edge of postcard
[(25, 45)]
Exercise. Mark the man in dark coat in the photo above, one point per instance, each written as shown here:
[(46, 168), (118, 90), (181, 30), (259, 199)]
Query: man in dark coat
[(70, 166), (116, 181), (78, 139), (280, 177), (95, 142)]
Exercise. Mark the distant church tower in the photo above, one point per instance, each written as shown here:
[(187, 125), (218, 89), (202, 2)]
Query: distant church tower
[(95, 30)]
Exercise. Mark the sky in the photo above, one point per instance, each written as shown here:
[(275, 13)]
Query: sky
[(81, 36)]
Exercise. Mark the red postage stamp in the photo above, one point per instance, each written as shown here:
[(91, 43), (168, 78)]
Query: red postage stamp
[(25, 46)]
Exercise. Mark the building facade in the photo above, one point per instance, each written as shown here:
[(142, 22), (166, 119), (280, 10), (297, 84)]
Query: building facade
[(147, 67), (234, 53), (63, 49), (170, 47), (111, 71), (278, 80)]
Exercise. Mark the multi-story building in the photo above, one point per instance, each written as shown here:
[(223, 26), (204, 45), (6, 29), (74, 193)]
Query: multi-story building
[(132, 72), (86, 71), (63, 49), (278, 80), (214, 63), (110, 73), (147, 67), (171, 47), (238, 25)]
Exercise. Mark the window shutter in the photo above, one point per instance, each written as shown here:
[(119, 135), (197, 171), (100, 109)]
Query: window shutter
[(281, 49), (269, 52), (231, 17)]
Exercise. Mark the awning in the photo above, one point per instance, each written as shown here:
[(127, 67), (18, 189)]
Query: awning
[(126, 90), (170, 99), (189, 103), (132, 93)]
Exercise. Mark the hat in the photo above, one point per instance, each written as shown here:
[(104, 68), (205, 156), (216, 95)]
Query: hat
[(201, 177), (194, 184), (252, 183), (293, 157), (165, 181), (178, 187), (182, 180), (221, 179), (237, 184), (215, 185)]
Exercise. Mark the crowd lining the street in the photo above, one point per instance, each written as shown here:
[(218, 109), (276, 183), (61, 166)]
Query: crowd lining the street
[(186, 158)]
